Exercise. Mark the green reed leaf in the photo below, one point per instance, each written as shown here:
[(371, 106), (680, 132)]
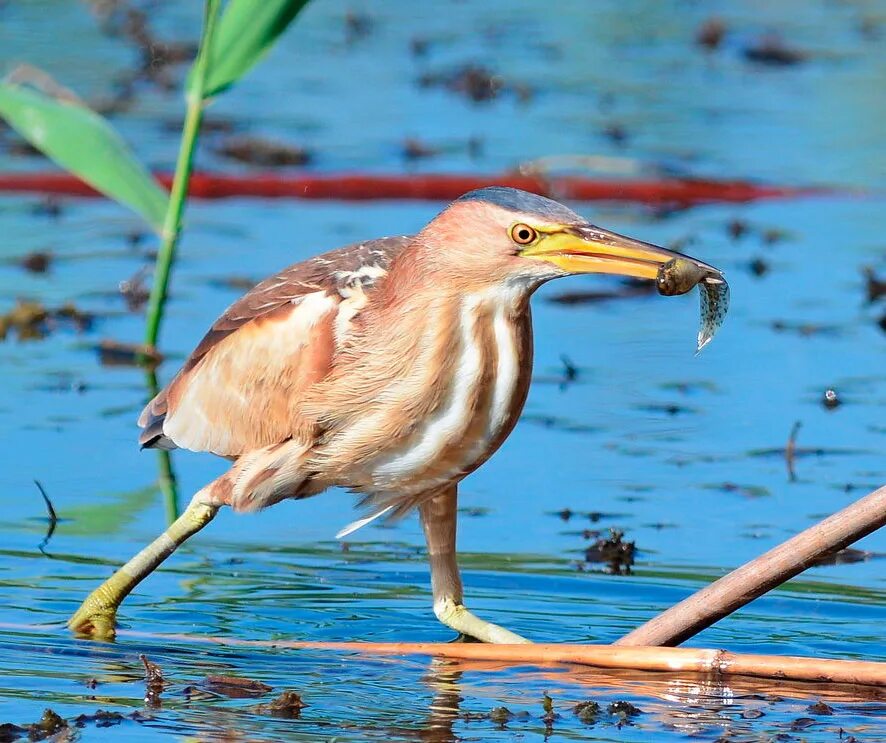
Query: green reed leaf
[(84, 143), (247, 30)]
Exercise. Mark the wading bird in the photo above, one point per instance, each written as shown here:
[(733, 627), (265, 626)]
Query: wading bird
[(393, 368)]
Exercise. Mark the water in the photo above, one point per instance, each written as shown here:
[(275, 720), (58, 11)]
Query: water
[(665, 445)]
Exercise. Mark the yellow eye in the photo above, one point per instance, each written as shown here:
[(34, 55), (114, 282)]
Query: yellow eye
[(523, 234)]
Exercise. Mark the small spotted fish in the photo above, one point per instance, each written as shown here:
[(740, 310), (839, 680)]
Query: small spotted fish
[(714, 302), (679, 276)]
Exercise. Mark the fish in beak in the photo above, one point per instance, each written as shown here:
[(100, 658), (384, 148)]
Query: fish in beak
[(587, 248)]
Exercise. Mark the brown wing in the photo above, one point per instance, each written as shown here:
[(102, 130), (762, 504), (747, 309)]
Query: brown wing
[(240, 388)]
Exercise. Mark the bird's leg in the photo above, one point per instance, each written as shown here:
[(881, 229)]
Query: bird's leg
[(438, 518), (98, 613)]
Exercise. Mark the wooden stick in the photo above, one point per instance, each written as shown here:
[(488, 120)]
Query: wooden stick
[(673, 660), (758, 576)]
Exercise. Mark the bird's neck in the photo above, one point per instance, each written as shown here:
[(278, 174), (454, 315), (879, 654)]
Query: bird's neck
[(420, 276)]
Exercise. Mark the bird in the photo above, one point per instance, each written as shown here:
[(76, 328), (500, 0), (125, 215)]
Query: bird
[(392, 368)]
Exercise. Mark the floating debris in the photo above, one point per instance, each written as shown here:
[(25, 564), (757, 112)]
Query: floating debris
[(101, 719), (746, 491), (9, 731), (475, 83), (801, 723), (32, 320), (820, 708), (772, 235), (235, 283), (616, 133), (846, 556), (419, 46), (614, 551), (134, 290), (501, 716), (154, 682), (49, 724), (711, 33), (414, 149), (772, 50), (115, 353), (624, 712), (670, 408), (737, 228), (210, 125), (875, 287), (758, 267), (263, 152), (587, 712), (549, 716), (38, 261), (830, 400), (623, 708), (474, 511), (804, 329), (288, 706), (357, 26), (49, 206), (235, 687)]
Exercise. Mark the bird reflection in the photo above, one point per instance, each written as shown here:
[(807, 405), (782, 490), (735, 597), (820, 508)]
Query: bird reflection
[(443, 678)]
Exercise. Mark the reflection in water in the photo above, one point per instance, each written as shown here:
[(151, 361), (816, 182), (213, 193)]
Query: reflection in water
[(165, 474), (443, 678)]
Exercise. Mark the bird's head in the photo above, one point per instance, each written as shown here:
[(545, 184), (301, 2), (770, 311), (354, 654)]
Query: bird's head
[(501, 234)]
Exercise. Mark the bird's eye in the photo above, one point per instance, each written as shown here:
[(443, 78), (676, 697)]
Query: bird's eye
[(523, 234)]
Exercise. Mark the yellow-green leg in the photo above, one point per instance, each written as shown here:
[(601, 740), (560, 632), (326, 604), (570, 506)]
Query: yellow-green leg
[(98, 613), (438, 518)]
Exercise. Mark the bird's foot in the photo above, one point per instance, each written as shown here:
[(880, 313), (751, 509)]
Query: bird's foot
[(97, 615), (100, 624), (457, 617)]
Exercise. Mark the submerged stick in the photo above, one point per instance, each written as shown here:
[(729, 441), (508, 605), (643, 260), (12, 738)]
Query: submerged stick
[(429, 186), (708, 661), (761, 574), (53, 518), (673, 660)]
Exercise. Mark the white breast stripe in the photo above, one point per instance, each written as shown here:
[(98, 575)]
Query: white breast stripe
[(451, 420), (506, 371)]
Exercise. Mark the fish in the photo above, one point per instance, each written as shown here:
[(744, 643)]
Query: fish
[(679, 276), (713, 305)]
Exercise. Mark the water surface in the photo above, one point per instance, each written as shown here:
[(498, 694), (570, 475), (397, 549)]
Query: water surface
[(671, 448)]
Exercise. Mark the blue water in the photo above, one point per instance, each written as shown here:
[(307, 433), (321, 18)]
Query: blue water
[(649, 435)]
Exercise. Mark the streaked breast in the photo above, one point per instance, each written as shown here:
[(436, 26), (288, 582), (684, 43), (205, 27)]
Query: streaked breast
[(484, 377)]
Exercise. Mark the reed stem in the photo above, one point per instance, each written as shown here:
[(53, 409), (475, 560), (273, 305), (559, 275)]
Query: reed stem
[(184, 166), (762, 574)]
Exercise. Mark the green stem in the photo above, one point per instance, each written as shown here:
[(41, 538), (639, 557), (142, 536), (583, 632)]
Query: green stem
[(178, 194), (168, 485), (166, 480)]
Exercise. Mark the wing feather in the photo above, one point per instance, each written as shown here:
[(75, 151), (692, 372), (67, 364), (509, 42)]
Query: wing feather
[(240, 389)]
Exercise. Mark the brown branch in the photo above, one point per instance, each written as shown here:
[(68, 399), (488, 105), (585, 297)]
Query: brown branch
[(672, 660), (761, 574)]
